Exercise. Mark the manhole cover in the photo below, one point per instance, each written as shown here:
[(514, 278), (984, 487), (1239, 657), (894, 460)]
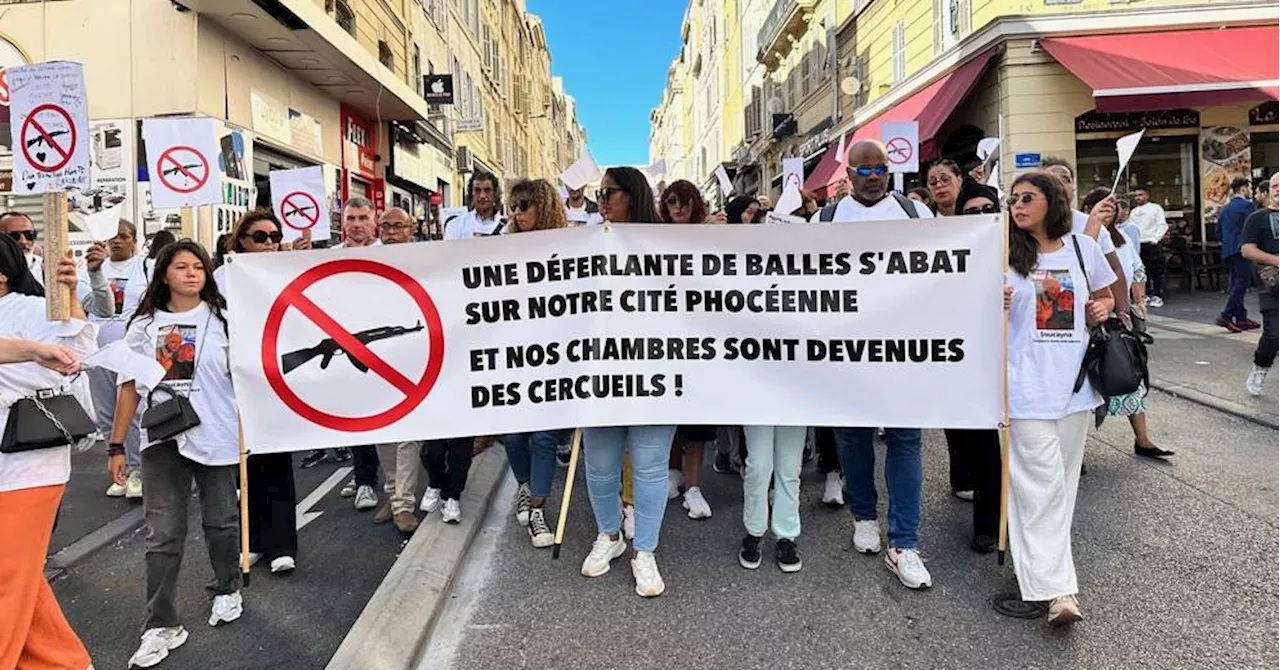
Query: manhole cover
[(1012, 605)]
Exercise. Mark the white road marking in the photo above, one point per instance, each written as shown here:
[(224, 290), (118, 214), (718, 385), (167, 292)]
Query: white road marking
[(305, 517)]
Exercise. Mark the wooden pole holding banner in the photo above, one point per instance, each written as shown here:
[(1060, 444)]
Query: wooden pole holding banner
[(1003, 544), (244, 510), (568, 492), (188, 223), (57, 298)]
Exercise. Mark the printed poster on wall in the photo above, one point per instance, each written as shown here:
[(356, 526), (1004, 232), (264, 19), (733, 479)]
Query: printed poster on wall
[(49, 127), (1224, 156)]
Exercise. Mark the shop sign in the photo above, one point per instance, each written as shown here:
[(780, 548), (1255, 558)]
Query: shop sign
[(1096, 122), (408, 163), (1265, 114), (361, 143), (1225, 155), (270, 118), (1026, 160), (469, 125), (437, 89), (304, 133)]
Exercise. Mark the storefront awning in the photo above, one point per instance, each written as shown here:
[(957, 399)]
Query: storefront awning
[(929, 107), (1139, 72)]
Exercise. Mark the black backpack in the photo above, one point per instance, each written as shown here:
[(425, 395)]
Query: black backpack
[(829, 211)]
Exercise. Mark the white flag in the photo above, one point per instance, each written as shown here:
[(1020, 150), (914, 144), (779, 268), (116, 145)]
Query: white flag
[(790, 200), (657, 168), (842, 152), (1125, 147), (726, 184), (581, 173)]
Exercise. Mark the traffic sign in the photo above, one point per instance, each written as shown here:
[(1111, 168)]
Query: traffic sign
[(901, 141), (182, 162), (182, 169), (353, 344), (299, 210), (49, 126), (48, 138)]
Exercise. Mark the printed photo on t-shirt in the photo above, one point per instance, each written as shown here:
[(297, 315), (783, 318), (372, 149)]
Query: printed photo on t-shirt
[(1055, 305), (117, 292), (176, 351)]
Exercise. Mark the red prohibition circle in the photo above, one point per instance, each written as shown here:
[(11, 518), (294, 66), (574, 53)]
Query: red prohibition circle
[(286, 201), (31, 121), (168, 156), (903, 148), (293, 291)]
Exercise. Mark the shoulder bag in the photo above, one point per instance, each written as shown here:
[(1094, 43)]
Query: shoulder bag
[(169, 418), (1115, 362), (44, 420)]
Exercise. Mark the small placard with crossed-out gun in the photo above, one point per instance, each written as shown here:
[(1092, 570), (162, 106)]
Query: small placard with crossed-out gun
[(328, 348)]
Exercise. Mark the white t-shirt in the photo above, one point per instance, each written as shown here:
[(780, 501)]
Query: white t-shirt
[(466, 226), (83, 288), (23, 317), (128, 281), (580, 215), (1150, 221), (1080, 221), (192, 347), (888, 208), (1048, 334), (1129, 261), (1130, 230)]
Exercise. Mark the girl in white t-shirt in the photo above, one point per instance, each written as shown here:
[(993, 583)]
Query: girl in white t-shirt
[(32, 482), (180, 321), (1059, 283)]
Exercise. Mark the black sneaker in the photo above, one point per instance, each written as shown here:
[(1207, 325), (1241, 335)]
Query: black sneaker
[(314, 458), (341, 455), (723, 465), (749, 555), (788, 559), (563, 453)]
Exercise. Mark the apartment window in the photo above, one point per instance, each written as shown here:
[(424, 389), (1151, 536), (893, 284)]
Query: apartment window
[(899, 52), (343, 15), (385, 56), (417, 69), (792, 99), (487, 48), (806, 75)]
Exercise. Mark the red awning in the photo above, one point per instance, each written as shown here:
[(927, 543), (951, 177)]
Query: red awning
[(930, 107), (1138, 72)]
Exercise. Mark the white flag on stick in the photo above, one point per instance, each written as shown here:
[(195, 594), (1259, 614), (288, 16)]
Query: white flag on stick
[(657, 168), (842, 152), (581, 173), (1125, 146), (726, 184)]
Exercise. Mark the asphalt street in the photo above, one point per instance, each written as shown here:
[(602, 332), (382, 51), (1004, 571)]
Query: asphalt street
[(1176, 561)]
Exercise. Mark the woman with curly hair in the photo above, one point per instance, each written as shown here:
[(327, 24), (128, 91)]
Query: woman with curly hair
[(534, 206), (681, 202)]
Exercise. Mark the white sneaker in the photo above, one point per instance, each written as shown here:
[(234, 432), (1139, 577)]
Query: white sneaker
[(696, 504), (254, 557), (283, 564), (522, 504), (833, 491), (966, 496), (226, 608), (133, 485), (116, 491), (430, 500), (648, 581), (366, 498), (909, 567), (450, 511), (629, 522), (156, 645), (1155, 301), (348, 490), (603, 551), (866, 536), (675, 479), (1257, 377), (539, 532)]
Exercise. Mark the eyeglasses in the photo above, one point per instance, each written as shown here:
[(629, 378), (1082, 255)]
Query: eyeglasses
[(1025, 198), (261, 236), (522, 205), (868, 170), (394, 225), (607, 192), (944, 179), (17, 235), (985, 209), (676, 203)]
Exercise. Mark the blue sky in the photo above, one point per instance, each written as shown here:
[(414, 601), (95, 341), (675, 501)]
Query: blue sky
[(613, 56)]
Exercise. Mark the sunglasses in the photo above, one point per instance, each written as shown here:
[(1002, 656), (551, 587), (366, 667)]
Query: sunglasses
[(868, 170), (985, 209), (17, 235), (261, 236), (603, 194), (1024, 198), (522, 205)]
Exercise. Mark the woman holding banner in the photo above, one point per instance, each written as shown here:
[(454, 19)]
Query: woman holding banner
[(534, 206), (1059, 284), (625, 196), (273, 518), (33, 631), (181, 322)]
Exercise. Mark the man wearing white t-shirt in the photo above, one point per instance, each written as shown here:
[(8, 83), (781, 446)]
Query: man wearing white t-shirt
[(578, 209), (484, 218), (871, 200), (1092, 224), (1153, 230)]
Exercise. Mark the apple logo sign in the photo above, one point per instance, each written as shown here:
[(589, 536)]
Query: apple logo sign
[(437, 86)]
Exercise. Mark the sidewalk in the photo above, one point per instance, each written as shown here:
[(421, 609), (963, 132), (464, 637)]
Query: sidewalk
[(1194, 359)]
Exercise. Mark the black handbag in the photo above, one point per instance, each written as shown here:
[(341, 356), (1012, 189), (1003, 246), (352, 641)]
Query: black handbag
[(168, 418), (1115, 362), (45, 420)]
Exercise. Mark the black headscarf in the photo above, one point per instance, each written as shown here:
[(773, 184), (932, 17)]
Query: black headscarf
[(972, 189)]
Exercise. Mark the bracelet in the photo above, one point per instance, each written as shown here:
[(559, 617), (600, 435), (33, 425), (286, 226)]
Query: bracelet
[(115, 449)]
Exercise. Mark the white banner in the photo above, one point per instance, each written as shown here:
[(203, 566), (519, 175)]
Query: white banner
[(182, 162), (867, 324), (49, 127), (298, 198)]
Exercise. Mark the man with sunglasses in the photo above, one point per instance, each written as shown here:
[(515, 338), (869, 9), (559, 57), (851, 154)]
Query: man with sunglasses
[(871, 200), (92, 289)]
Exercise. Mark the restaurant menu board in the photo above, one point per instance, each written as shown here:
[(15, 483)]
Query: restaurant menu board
[(1224, 156)]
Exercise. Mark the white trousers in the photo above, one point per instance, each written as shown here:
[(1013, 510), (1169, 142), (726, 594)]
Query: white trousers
[(1044, 475)]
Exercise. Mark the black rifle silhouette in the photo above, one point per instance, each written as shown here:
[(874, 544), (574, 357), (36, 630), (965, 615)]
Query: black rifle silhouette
[(328, 348), (40, 139), (180, 168)]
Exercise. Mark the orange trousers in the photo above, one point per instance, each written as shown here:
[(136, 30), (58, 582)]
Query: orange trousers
[(33, 633)]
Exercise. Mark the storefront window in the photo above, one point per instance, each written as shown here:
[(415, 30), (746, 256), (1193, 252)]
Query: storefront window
[(1165, 166), (1266, 155)]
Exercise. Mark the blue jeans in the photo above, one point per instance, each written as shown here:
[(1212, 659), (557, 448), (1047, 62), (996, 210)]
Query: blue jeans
[(1241, 275), (903, 476), (650, 447), (533, 459)]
